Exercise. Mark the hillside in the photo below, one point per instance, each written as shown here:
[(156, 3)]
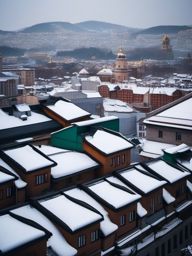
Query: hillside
[(65, 36), (11, 51), (52, 27), (88, 53), (99, 26), (159, 30)]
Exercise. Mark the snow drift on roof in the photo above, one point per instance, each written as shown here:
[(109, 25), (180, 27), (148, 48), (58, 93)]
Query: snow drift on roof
[(68, 110), (108, 142)]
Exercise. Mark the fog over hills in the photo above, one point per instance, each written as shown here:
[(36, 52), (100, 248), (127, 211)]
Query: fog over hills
[(59, 36)]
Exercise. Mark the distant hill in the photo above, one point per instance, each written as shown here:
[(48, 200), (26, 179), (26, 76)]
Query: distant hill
[(87, 26), (52, 27), (99, 26), (163, 30), (154, 53), (88, 53), (3, 32), (11, 51)]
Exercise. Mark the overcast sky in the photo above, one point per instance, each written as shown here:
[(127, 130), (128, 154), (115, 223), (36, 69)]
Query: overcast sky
[(17, 14)]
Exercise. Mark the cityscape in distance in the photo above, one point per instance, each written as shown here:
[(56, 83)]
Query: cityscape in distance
[(95, 128)]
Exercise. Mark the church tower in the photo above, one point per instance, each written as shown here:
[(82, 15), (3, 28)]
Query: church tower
[(166, 43), (121, 67)]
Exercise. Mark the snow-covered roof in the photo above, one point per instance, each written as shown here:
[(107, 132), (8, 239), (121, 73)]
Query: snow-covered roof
[(105, 72), (19, 183), (140, 90), (178, 116), (141, 211), (106, 225), (140, 180), (114, 196), (177, 149), (72, 214), (153, 149), (8, 121), (111, 105), (167, 171), (69, 163), (50, 150), (189, 185), (108, 142), (57, 240), (67, 110), (168, 197), (22, 107), (14, 233), (163, 90), (83, 71), (96, 121), (28, 158), (4, 177), (91, 94)]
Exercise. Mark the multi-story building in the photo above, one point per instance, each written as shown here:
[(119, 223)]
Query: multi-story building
[(121, 67), (166, 127), (26, 75)]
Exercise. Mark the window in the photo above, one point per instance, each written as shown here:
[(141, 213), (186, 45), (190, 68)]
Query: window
[(152, 205), (9, 192), (1, 194), (191, 229), (118, 160), (81, 241), (94, 235), (122, 220), (40, 179), (186, 233), (162, 249), (157, 251), (180, 190), (160, 134), (169, 246), (178, 136), (132, 216), (181, 237), (175, 241)]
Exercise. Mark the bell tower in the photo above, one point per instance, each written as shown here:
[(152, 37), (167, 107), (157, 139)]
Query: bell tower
[(166, 43), (121, 67)]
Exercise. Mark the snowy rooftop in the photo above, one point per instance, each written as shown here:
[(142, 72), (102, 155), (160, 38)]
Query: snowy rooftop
[(72, 214), (91, 94), (83, 71), (141, 89), (22, 107), (14, 233), (19, 183), (4, 177), (68, 110), (96, 121), (70, 162), (107, 227), (166, 171), (111, 105), (142, 181), (28, 158), (178, 116), (108, 142), (110, 193), (56, 241), (177, 149), (8, 121), (153, 149), (50, 150), (105, 72)]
